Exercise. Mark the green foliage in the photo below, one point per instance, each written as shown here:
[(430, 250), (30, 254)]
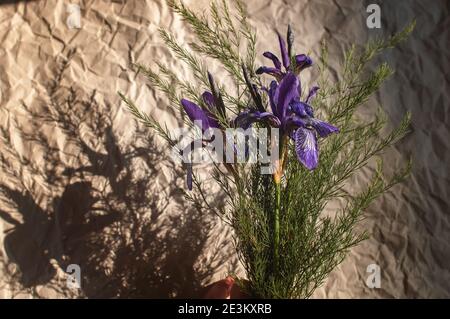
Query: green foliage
[(310, 244)]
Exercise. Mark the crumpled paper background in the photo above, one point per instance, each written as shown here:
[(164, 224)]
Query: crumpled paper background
[(81, 183)]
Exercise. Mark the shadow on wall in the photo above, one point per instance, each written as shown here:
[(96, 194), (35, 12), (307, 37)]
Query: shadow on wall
[(95, 203)]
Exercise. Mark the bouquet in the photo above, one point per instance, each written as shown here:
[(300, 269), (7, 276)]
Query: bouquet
[(280, 150)]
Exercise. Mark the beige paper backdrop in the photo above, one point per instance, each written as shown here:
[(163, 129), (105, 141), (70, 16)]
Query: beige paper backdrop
[(80, 183)]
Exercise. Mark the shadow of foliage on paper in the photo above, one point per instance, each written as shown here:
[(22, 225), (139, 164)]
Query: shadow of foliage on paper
[(75, 192)]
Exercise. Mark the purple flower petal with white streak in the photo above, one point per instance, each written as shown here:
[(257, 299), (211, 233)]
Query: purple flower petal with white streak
[(285, 93), (195, 113), (323, 128), (312, 93), (274, 59), (284, 52), (306, 147)]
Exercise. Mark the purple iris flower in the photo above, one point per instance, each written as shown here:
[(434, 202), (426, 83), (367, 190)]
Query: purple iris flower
[(295, 118), (302, 61), (205, 118), (214, 105)]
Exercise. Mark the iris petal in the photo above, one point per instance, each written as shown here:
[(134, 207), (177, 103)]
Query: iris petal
[(323, 128), (292, 123), (312, 93), (302, 109), (273, 57), (306, 148), (208, 98), (242, 120), (284, 52), (299, 108), (246, 119), (302, 61), (196, 114), (286, 92), (269, 118), (273, 103), (272, 71), (309, 110)]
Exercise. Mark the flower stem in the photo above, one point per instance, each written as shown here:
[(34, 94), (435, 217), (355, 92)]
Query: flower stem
[(276, 217), (276, 226)]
